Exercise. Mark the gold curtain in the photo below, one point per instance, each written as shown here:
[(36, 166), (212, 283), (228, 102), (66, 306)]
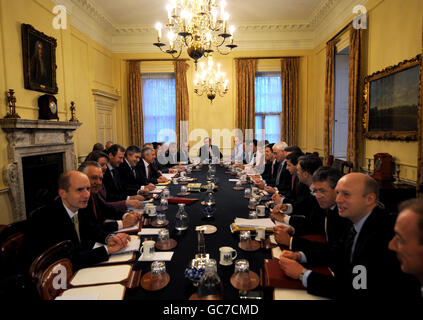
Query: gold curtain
[(135, 105), (329, 98), (245, 100), (354, 96), (289, 78), (420, 137), (182, 97)]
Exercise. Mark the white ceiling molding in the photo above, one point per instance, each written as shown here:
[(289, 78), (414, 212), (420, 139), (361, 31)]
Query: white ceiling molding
[(326, 18)]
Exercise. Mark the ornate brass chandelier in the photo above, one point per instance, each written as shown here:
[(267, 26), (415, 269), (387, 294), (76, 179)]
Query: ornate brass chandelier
[(199, 25), (210, 81)]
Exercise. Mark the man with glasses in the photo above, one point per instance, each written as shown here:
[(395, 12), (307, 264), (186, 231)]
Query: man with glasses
[(325, 221)]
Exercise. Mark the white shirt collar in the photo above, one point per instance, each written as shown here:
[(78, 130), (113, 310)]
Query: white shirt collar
[(110, 167), (128, 163), (70, 213), (145, 163)]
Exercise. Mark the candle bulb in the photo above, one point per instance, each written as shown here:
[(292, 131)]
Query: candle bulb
[(159, 29)]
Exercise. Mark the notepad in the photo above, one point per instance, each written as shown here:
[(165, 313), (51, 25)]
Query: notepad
[(149, 232), (133, 246), (157, 256), (101, 292), (134, 228), (101, 275), (254, 223), (169, 176), (294, 294), (158, 189), (120, 258)]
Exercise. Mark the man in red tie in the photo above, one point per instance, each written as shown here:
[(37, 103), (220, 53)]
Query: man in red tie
[(100, 210), (148, 174)]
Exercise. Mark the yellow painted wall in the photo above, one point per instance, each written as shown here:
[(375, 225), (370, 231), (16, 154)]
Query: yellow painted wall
[(393, 35), (82, 65)]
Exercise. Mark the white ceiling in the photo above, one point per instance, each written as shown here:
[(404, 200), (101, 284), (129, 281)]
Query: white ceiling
[(127, 26), (148, 12)]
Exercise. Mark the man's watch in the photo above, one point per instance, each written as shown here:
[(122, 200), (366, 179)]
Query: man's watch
[(302, 274)]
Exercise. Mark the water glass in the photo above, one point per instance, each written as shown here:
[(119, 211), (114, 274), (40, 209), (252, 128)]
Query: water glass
[(252, 215), (242, 266), (161, 218), (158, 268), (247, 192), (244, 236), (184, 189), (163, 235)]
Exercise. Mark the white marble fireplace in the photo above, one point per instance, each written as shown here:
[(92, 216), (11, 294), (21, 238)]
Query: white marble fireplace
[(30, 138)]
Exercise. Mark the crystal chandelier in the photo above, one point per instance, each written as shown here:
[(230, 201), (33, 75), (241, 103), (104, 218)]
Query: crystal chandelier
[(199, 25), (210, 81)]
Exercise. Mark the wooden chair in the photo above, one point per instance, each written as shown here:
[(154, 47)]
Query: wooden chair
[(49, 265), (11, 248), (344, 166)]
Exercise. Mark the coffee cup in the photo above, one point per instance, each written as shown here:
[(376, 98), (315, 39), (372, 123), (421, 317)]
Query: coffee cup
[(261, 210), (150, 209), (147, 248), (261, 233), (227, 255)]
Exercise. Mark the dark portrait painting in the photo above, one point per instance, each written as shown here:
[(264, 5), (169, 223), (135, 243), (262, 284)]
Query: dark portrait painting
[(393, 101), (39, 60)]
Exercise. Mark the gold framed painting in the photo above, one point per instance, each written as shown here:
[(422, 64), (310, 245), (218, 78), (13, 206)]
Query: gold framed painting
[(392, 101)]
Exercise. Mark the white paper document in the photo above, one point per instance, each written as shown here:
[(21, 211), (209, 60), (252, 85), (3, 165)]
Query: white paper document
[(254, 223), (169, 176), (133, 246), (131, 229), (233, 180), (158, 189), (149, 232), (158, 256)]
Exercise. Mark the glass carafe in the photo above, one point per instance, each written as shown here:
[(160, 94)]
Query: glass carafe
[(210, 284), (181, 218)]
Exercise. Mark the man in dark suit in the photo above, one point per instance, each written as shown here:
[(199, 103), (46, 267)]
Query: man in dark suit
[(363, 265), (149, 175), (304, 201), (129, 176), (408, 240), (183, 154), (282, 180), (63, 220), (111, 180), (209, 152), (324, 221), (102, 159), (98, 209)]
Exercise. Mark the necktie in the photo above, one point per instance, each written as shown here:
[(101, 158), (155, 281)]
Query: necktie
[(115, 175), (349, 242), (149, 171), (94, 208), (278, 176), (293, 182), (76, 224), (134, 172), (326, 224), (273, 167)]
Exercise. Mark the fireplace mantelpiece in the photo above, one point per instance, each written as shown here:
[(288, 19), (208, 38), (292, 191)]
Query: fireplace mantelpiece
[(29, 138)]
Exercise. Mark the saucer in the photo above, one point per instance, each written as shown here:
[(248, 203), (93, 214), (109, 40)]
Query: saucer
[(209, 229)]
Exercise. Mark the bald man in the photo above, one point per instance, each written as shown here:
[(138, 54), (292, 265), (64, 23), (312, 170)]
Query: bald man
[(62, 220), (363, 265)]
